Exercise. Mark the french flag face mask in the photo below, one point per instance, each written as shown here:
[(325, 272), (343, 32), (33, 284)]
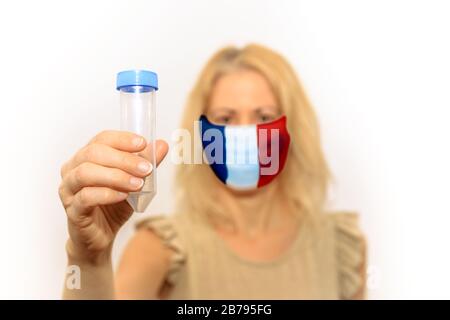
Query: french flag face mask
[(245, 157)]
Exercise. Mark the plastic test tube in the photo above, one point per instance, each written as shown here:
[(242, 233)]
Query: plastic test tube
[(137, 105)]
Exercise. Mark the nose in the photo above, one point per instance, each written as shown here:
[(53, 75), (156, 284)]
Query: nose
[(244, 118)]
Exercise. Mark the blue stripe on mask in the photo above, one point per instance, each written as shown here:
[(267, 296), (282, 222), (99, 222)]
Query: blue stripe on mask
[(216, 158)]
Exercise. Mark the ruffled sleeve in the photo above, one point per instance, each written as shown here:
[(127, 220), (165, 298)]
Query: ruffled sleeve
[(350, 251), (164, 227)]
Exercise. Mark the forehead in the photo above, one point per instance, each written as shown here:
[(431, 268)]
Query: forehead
[(242, 88)]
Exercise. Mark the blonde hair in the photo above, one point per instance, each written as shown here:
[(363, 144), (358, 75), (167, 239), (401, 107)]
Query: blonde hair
[(305, 177)]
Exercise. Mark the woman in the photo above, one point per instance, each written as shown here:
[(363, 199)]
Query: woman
[(229, 238)]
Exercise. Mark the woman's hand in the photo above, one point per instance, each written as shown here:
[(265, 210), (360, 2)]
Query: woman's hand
[(95, 184)]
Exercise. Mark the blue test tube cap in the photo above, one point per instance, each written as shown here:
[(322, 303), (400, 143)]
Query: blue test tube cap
[(137, 78)]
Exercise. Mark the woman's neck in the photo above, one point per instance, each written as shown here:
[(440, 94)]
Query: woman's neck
[(253, 212)]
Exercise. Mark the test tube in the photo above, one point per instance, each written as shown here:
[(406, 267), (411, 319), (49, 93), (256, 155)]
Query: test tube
[(137, 90)]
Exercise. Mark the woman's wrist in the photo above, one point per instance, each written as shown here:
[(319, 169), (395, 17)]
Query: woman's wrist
[(82, 257), (92, 277)]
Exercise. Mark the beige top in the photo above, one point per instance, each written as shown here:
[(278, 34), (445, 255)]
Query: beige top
[(322, 263)]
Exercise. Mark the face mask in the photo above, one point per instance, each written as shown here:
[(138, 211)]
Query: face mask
[(245, 157)]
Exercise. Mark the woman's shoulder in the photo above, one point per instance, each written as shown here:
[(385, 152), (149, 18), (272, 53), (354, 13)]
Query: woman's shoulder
[(350, 249), (166, 227), (344, 222)]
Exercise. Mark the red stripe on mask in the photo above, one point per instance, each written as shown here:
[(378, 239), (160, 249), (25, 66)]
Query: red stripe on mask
[(268, 169)]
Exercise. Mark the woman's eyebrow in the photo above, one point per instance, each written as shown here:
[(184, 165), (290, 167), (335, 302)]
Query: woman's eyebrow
[(224, 109), (267, 108)]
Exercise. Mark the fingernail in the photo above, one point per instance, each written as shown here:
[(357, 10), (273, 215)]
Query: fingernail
[(136, 182), (138, 141), (122, 194), (145, 167)]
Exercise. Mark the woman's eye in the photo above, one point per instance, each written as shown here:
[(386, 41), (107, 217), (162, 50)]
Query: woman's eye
[(265, 118), (223, 120)]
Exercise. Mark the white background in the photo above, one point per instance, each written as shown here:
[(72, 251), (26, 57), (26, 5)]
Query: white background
[(376, 71)]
